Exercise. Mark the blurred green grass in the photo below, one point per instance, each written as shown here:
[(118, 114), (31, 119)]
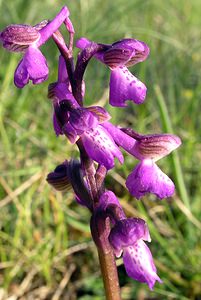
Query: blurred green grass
[(45, 244)]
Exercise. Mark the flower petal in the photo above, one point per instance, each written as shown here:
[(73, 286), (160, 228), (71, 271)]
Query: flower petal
[(83, 43), (60, 92), (57, 126), (82, 120), (117, 56), (70, 132), (101, 114), (52, 26), (147, 177), (33, 66), (108, 198), (155, 146), (139, 264), (125, 86), (21, 76), (127, 232), (101, 147)]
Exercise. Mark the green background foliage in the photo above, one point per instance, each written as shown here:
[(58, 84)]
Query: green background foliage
[(45, 244)]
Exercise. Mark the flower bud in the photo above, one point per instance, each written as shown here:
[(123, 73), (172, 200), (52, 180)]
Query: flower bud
[(59, 178)]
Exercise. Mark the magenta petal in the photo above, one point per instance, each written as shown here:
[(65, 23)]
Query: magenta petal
[(60, 91), (108, 198), (21, 76), (125, 86), (147, 177), (62, 71), (100, 113), (83, 43), (82, 120), (65, 128), (101, 147), (33, 66), (47, 31), (36, 65), (127, 232), (117, 56), (139, 264)]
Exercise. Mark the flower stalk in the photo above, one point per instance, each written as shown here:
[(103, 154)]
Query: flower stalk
[(109, 274), (98, 140)]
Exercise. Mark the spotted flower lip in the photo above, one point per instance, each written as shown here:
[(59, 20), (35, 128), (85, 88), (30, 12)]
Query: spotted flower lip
[(118, 56), (127, 237), (147, 177), (125, 86)]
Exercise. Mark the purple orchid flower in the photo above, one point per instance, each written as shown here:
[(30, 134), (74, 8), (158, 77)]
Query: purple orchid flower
[(87, 124), (146, 176), (127, 237), (28, 39), (118, 56)]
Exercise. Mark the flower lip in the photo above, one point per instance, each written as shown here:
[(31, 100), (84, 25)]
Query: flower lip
[(32, 67), (139, 264), (147, 177), (125, 86)]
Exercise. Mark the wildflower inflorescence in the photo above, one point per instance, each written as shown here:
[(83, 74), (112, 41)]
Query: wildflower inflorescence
[(97, 138)]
